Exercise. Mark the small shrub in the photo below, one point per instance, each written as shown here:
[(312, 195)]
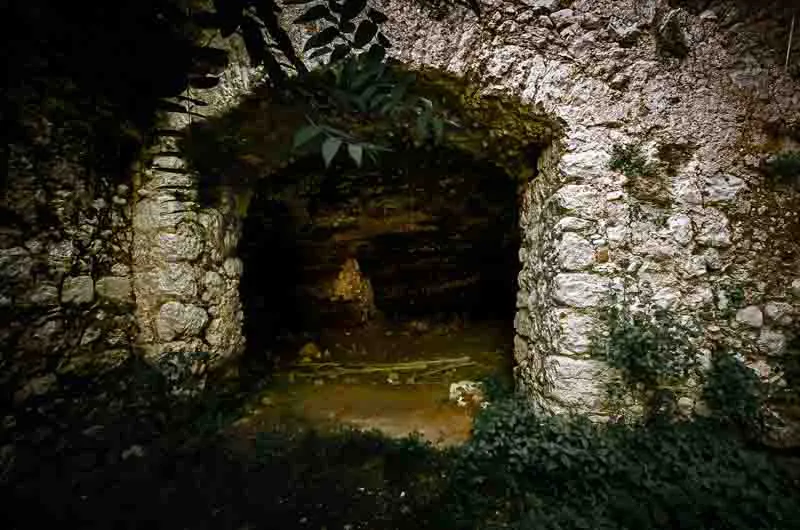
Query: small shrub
[(524, 470), (653, 355), (645, 182), (784, 167), (734, 393), (630, 161)]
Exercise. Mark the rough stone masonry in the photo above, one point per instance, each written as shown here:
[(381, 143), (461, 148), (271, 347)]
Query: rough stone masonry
[(708, 100), (709, 239)]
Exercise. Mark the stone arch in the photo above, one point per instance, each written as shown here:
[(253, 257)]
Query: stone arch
[(190, 240)]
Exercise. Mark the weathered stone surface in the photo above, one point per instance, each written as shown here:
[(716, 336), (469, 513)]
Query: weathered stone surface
[(117, 289), (574, 252), (580, 289), (44, 295), (36, 387), (680, 226), (750, 316), (581, 199), (177, 320), (185, 244), (576, 331), (714, 229), (233, 267), (779, 312), (572, 224), (77, 290), (176, 279), (722, 188), (579, 383), (771, 341)]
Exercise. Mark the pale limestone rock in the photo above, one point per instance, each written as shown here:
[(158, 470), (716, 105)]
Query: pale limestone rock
[(233, 267), (574, 252), (572, 224), (680, 226), (700, 296), (714, 229), (185, 244), (617, 235), (521, 349), (77, 290), (177, 320), (722, 188), (666, 297), (543, 6), (580, 289), (796, 287), (576, 331), (713, 259), (771, 341), (582, 199), (176, 279), (468, 393), (115, 288), (214, 285), (563, 18), (578, 383), (694, 266), (750, 316), (779, 312), (522, 323)]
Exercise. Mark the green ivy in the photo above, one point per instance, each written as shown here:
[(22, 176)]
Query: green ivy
[(784, 167), (653, 355)]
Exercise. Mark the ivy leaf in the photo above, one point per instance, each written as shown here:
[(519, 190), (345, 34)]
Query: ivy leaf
[(347, 27), (376, 53), (335, 6), (356, 152), (352, 8), (376, 16), (365, 32), (319, 52), (340, 51), (322, 38), (438, 129), (305, 135), (329, 149), (384, 41), (315, 13), (297, 2)]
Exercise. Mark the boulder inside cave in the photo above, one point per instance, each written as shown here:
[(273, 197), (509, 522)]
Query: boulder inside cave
[(414, 259)]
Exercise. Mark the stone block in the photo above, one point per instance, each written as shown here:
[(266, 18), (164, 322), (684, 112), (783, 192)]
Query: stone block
[(77, 290), (580, 289), (177, 320), (115, 288)]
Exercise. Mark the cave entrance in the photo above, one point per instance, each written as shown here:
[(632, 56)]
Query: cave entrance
[(402, 275)]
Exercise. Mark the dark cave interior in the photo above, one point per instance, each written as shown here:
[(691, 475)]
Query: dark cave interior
[(419, 242)]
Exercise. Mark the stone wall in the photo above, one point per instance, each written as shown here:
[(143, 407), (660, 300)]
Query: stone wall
[(710, 239), (65, 289), (186, 272)]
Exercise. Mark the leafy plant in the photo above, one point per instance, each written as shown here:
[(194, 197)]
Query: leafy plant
[(342, 35), (784, 167), (525, 470), (644, 179), (653, 354), (734, 393)]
